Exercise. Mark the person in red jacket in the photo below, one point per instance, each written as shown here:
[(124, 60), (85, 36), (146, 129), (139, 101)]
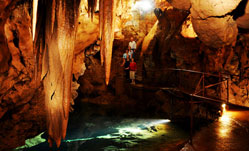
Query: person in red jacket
[(133, 68)]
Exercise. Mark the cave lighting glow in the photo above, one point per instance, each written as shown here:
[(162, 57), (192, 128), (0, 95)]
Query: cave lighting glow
[(224, 107), (225, 120), (224, 117), (144, 5)]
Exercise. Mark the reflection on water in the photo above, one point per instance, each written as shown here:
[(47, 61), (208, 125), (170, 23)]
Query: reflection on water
[(225, 123), (229, 133)]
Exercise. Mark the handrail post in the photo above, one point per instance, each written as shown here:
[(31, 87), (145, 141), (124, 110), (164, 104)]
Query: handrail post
[(203, 84), (227, 90), (178, 77), (219, 86), (191, 120)]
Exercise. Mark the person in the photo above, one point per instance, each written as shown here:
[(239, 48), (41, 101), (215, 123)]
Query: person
[(131, 54), (132, 45), (127, 56), (127, 69), (126, 63), (133, 68)]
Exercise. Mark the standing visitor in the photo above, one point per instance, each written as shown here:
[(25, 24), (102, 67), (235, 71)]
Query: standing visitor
[(132, 45), (126, 56), (133, 68), (131, 53), (126, 63)]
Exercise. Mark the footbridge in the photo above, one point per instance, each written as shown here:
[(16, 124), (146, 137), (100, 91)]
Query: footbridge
[(201, 91)]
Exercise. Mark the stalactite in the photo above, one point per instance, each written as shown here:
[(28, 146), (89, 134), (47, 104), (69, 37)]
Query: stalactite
[(101, 15), (91, 7), (35, 5), (56, 35), (108, 35)]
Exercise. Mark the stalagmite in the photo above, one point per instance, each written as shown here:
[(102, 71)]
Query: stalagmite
[(108, 35), (56, 34)]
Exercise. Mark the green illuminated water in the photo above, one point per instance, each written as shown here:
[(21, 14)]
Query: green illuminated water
[(109, 134)]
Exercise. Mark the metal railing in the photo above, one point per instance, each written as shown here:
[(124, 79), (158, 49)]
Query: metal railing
[(201, 87)]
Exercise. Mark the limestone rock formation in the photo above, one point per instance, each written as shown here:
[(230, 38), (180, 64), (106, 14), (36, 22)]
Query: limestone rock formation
[(163, 33), (109, 14), (57, 42), (22, 105), (187, 29), (21, 94), (214, 19), (87, 29), (148, 38), (180, 4), (212, 23), (202, 9), (156, 49), (216, 32)]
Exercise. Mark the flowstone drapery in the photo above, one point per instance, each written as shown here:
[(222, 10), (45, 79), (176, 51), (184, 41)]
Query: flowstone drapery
[(55, 35)]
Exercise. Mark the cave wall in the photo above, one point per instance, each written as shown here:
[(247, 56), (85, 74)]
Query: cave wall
[(21, 95), (219, 48)]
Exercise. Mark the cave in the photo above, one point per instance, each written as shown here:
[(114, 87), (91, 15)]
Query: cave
[(131, 75)]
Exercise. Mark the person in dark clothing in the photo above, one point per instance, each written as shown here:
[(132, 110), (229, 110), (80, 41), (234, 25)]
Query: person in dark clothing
[(126, 63), (127, 69)]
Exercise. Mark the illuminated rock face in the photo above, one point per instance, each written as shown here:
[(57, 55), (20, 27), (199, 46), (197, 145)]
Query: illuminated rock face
[(59, 38), (22, 96), (148, 38), (180, 4), (216, 32), (4, 53), (107, 35), (87, 29), (203, 9), (212, 23), (187, 29), (21, 101), (168, 25), (202, 54)]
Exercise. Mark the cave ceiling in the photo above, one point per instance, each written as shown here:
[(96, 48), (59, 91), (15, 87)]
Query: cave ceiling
[(216, 22)]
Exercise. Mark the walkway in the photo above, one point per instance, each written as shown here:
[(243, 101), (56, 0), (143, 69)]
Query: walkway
[(229, 133)]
